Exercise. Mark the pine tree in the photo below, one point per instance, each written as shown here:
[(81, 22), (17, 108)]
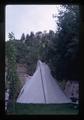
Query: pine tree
[(23, 38), (65, 50), (12, 77)]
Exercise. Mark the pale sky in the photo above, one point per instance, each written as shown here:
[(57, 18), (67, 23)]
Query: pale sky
[(26, 18)]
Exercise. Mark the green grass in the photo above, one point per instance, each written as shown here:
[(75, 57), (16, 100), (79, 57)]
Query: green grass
[(48, 109)]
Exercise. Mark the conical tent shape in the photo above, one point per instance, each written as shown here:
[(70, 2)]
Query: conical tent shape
[(42, 88)]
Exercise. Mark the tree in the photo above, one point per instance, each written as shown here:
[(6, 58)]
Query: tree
[(28, 40), (38, 35), (11, 36), (27, 37), (32, 35), (14, 86), (66, 43), (23, 38)]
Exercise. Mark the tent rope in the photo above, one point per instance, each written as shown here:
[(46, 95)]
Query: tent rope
[(43, 85)]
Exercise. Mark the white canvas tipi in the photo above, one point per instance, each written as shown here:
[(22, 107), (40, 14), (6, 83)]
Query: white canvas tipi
[(42, 88)]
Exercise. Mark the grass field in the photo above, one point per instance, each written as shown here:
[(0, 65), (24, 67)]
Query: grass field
[(44, 109)]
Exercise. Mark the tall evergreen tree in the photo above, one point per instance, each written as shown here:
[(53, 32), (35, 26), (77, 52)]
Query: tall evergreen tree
[(66, 44), (23, 38), (27, 37), (11, 36), (12, 77)]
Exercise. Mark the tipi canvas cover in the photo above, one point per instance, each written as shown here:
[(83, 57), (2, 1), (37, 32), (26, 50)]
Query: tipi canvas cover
[(42, 88)]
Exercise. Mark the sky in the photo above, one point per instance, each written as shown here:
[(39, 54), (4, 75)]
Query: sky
[(26, 18)]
